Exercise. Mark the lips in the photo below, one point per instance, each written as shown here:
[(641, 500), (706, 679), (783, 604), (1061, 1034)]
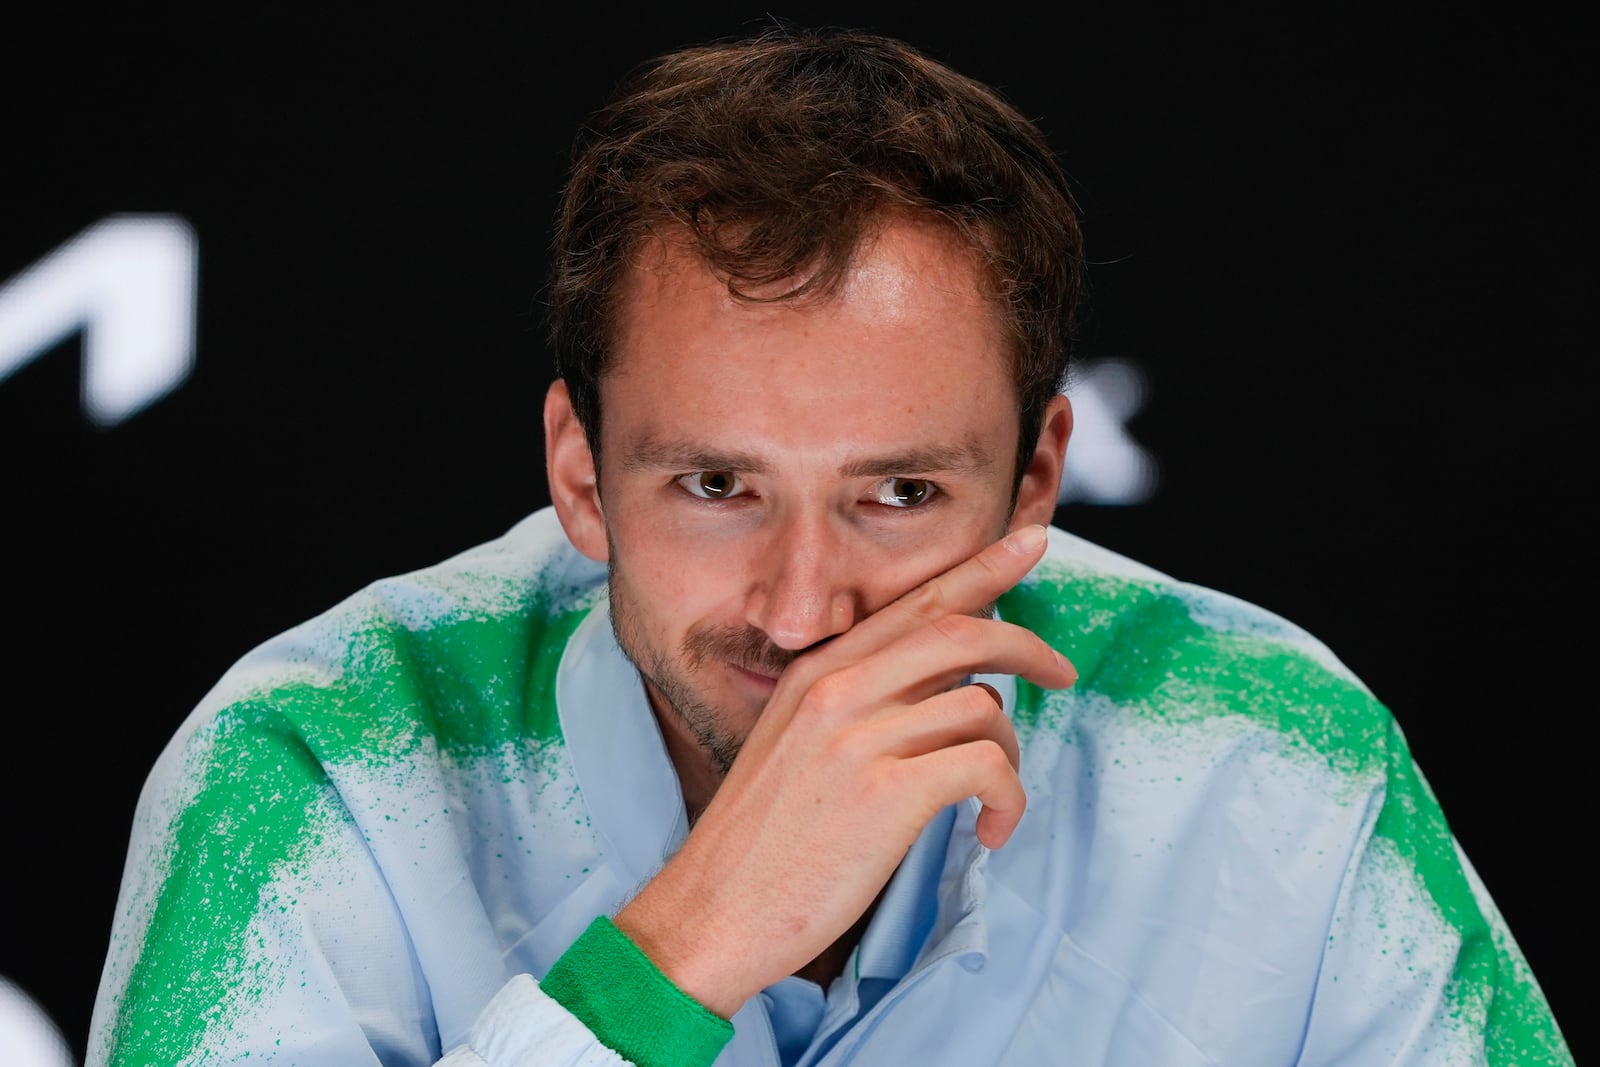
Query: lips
[(758, 675)]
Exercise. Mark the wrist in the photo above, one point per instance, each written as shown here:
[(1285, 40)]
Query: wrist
[(630, 1005), (693, 959)]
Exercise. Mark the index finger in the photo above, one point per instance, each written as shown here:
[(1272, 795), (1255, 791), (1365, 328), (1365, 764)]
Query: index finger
[(971, 585)]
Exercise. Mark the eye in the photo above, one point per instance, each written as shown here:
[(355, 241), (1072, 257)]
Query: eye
[(711, 485), (903, 492)]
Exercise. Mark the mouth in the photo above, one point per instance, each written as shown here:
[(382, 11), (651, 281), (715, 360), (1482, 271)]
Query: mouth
[(755, 677)]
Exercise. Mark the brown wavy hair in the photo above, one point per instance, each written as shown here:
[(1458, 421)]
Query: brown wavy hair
[(777, 152)]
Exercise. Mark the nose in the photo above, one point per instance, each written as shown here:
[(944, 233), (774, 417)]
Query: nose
[(800, 591)]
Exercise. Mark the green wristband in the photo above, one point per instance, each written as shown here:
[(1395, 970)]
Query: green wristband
[(635, 1010)]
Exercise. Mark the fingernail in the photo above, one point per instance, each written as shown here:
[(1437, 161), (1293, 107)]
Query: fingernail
[(1026, 540)]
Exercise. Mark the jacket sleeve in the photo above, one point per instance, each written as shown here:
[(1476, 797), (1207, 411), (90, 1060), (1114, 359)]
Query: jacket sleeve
[(522, 1027), (1419, 967), (256, 922), (602, 995)]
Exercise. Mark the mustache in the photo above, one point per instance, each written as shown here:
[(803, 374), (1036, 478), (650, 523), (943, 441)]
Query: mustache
[(742, 646), (748, 647)]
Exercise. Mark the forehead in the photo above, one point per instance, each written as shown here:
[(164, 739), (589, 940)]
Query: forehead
[(911, 322)]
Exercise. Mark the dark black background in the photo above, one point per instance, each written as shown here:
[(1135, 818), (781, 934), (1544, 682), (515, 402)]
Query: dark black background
[(1347, 248)]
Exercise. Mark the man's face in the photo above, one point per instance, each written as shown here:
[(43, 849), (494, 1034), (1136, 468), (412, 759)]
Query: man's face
[(773, 473)]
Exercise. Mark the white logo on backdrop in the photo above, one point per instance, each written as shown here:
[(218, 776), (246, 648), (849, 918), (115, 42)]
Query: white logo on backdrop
[(128, 282), (1104, 464)]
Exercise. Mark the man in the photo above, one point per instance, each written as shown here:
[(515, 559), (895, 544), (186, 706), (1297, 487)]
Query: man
[(760, 745)]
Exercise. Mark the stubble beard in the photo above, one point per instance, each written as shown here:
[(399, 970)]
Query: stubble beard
[(741, 646), (675, 680)]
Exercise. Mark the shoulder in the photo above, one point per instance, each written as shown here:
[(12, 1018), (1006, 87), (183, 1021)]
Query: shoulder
[(1155, 647), (454, 652), (1189, 703)]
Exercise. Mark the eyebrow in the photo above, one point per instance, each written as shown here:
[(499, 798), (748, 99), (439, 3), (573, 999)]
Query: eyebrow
[(654, 454), (944, 459)]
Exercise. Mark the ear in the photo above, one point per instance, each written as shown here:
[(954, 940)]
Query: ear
[(1041, 479), (570, 468)]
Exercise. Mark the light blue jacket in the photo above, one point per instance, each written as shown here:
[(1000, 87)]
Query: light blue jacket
[(379, 830)]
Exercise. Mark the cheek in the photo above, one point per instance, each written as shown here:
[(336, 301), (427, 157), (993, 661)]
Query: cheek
[(670, 575), (909, 565)]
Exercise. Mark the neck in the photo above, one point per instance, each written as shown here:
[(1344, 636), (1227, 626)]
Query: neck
[(697, 775)]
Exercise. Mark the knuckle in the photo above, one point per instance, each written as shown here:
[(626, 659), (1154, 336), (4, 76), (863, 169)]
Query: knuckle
[(984, 700), (926, 601), (969, 708), (840, 749), (829, 694), (879, 787), (992, 758), (963, 630), (989, 563)]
